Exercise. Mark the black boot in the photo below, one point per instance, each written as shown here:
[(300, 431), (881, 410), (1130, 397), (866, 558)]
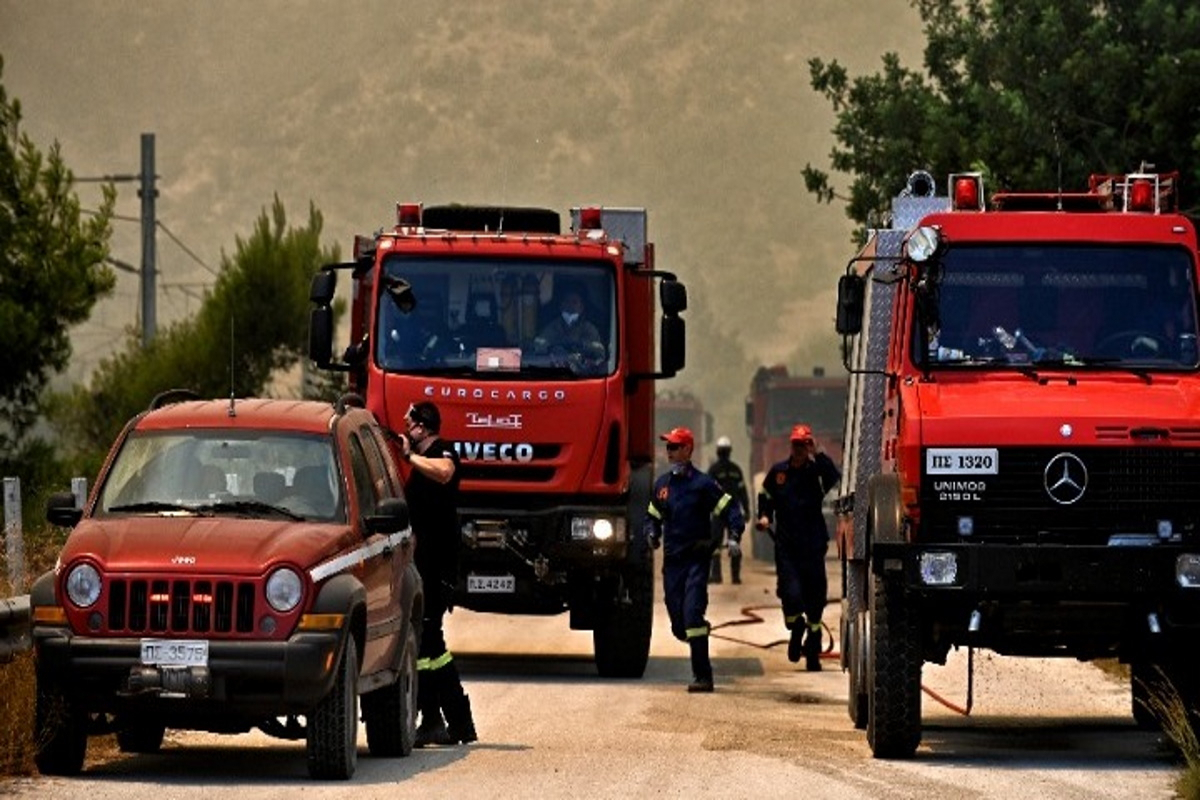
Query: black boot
[(796, 641), (714, 573), (459, 722), (702, 674), (812, 648), (432, 729), (735, 568)]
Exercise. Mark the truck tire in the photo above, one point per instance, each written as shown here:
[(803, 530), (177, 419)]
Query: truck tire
[(60, 731), (332, 739), (140, 736), (624, 621), (390, 712), (893, 673), (854, 652)]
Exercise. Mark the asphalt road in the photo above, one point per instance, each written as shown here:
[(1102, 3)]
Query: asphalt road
[(550, 728)]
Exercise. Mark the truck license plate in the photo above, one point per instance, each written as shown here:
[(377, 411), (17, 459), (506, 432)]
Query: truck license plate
[(175, 652), (491, 584)]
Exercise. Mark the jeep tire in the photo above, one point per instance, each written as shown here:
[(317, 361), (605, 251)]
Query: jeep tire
[(60, 731), (390, 712), (332, 736), (893, 672), (140, 736)]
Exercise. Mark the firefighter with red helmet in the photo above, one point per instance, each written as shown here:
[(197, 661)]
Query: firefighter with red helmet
[(681, 506), (791, 497)]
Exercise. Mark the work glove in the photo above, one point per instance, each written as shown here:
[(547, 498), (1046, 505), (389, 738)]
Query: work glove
[(735, 549)]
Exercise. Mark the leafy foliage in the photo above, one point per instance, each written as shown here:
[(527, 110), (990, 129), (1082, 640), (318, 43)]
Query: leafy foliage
[(253, 323), (1034, 93), (52, 272)]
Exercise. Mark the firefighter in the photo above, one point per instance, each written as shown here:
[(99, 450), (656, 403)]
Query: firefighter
[(729, 476), (791, 498), (678, 518), (432, 493)]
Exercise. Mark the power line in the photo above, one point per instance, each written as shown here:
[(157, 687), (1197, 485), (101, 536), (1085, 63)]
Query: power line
[(185, 248)]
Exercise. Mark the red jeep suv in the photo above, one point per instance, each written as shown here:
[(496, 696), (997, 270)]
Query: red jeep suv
[(239, 564)]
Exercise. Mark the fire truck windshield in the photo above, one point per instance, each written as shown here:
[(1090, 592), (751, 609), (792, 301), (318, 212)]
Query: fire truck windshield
[(820, 407), (1062, 305), (501, 317)]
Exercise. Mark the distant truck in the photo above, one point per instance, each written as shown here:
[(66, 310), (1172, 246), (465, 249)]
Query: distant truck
[(777, 401), (552, 415), (1022, 445), (674, 408)]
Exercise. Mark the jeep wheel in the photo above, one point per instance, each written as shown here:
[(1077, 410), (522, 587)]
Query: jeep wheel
[(60, 731), (140, 736), (624, 620), (333, 726), (391, 711), (893, 673)]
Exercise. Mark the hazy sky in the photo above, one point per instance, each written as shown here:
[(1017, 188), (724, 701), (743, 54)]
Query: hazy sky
[(699, 111)]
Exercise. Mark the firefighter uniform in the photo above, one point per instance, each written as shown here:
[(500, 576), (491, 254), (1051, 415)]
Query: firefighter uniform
[(681, 507), (729, 476), (791, 497)]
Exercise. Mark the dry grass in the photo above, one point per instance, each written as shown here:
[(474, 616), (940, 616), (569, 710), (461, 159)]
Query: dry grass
[(18, 688), (1178, 722)]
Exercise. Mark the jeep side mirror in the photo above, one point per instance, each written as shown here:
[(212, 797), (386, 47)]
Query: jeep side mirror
[(851, 294), (61, 510), (391, 516)]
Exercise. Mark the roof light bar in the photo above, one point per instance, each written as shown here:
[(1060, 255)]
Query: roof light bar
[(966, 191)]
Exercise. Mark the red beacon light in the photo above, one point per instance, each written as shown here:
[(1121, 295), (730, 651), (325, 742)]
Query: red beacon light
[(1141, 195), (408, 215), (966, 191), (589, 218)]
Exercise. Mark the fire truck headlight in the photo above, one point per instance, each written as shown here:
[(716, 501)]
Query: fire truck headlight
[(600, 529), (939, 569), (922, 243), (1187, 570)]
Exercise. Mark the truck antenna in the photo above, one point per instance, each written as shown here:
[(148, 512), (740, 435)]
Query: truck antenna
[(232, 412), (1058, 159)]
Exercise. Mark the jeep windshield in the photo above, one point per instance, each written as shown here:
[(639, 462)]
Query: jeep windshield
[(1067, 306), (499, 318), (212, 472)]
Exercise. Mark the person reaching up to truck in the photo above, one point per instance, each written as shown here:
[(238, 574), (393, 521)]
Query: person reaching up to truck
[(729, 476), (683, 500), (432, 492), (791, 498)]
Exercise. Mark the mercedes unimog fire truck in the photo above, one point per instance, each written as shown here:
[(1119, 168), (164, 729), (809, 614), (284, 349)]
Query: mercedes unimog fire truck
[(538, 347), (1022, 440)]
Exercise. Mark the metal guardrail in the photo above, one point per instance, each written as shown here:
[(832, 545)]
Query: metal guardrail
[(16, 627)]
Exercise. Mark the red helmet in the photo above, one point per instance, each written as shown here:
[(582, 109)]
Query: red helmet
[(802, 433), (680, 436)]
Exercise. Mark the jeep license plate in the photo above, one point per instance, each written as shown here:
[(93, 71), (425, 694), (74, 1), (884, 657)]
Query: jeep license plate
[(175, 652), (491, 584)]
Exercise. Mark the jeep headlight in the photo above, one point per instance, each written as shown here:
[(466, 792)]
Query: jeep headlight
[(83, 585), (938, 569), (1187, 570), (598, 529), (284, 589)]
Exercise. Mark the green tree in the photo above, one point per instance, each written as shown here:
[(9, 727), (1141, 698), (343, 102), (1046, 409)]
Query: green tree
[(252, 323), (1037, 94), (52, 273)]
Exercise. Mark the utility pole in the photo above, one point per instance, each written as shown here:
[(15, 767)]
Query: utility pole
[(148, 193)]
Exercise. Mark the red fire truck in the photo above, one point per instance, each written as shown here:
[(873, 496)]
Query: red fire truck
[(676, 408), (779, 401), (1022, 441), (554, 421)]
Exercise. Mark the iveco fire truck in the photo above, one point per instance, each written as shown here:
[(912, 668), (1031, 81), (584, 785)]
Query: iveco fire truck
[(538, 347), (1022, 439)]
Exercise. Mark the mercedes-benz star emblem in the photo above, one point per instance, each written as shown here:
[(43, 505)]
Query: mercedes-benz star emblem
[(1066, 479)]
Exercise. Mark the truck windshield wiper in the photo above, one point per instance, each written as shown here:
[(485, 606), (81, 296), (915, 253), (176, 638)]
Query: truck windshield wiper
[(250, 507), (1093, 361), (154, 506)]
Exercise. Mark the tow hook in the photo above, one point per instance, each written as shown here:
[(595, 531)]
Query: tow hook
[(170, 681)]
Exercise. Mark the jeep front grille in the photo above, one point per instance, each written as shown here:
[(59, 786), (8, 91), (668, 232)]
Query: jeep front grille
[(181, 606)]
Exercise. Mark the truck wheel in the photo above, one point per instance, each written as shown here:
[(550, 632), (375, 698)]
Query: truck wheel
[(854, 653), (60, 731), (624, 621), (391, 711), (893, 673), (140, 736), (332, 742)]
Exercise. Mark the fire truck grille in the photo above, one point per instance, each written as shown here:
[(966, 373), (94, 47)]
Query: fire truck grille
[(1127, 490), (181, 606)]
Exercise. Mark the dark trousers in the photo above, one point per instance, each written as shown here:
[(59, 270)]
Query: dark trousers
[(438, 684), (801, 582), (685, 587)]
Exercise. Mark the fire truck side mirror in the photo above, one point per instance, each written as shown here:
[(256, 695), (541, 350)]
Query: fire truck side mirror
[(324, 284), (851, 291), (672, 337), (672, 296), (320, 335)]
